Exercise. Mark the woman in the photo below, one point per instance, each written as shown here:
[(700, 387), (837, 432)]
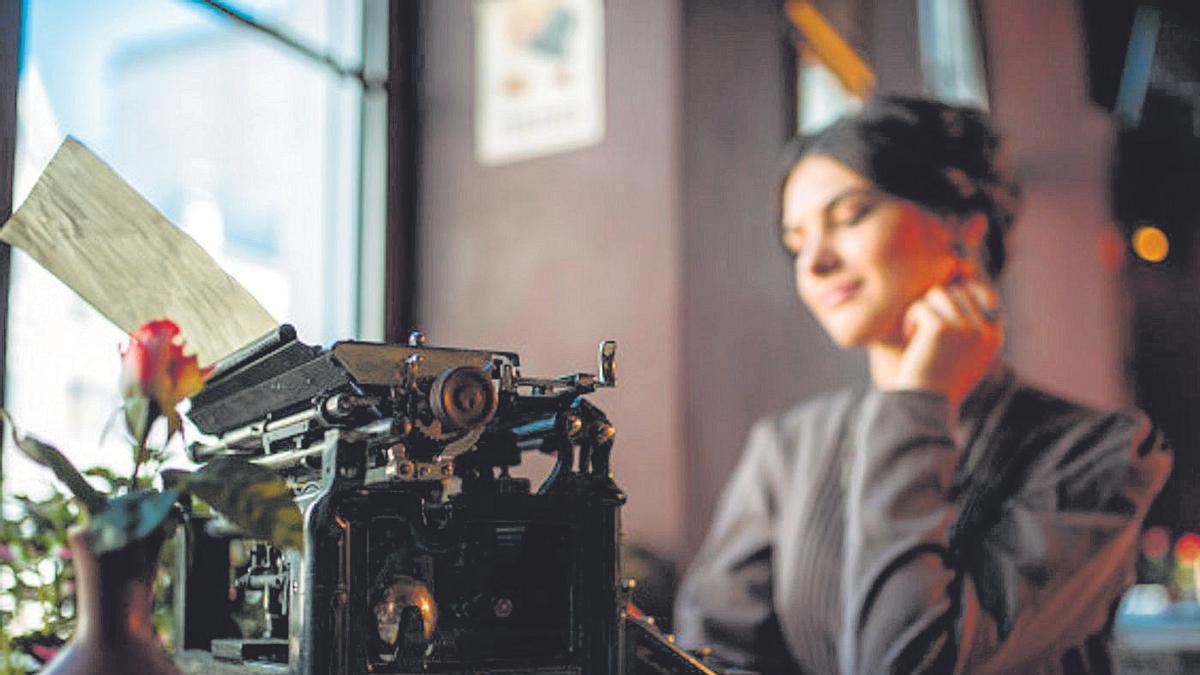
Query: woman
[(951, 517)]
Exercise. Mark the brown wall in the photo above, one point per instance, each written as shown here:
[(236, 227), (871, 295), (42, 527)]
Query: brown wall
[(1066, 324), (548, 256)]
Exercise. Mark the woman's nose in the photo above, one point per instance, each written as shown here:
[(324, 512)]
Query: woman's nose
[(820, 258)]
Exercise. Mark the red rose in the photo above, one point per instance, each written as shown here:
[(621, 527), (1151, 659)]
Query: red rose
[(155, 370)]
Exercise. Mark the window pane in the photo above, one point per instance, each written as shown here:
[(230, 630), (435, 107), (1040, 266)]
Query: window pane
[(822, 99), (248, 146), (951, 56)]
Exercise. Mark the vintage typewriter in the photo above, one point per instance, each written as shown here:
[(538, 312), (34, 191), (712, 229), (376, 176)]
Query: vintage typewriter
[(422, 553)]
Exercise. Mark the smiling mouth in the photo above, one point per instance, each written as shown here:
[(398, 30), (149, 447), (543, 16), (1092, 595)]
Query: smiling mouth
[(839, 294)]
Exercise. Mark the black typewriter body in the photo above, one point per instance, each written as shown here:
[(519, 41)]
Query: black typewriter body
[(422, 554)]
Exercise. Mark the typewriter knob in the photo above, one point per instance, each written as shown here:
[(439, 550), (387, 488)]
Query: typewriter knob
[(463, 398), (606, 364)]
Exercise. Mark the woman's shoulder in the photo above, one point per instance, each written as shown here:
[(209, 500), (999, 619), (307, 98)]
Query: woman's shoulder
[(1084, 451), (1052, 416)]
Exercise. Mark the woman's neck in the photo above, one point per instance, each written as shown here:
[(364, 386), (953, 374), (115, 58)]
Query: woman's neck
[(884, 360)]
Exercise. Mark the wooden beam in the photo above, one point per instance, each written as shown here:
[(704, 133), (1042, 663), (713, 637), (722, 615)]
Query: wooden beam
[(823, 39), (403, 186)]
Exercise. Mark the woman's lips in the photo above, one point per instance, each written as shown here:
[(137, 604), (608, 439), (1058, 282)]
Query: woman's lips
[(839, 294)]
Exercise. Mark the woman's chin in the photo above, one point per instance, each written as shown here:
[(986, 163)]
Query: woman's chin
[(849, 335), (846, 338)]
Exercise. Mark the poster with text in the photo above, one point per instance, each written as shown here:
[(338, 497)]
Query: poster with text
[(539, 77)]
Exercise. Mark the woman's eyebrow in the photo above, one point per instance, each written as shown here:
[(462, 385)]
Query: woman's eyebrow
[(856, 191), (849, 192)]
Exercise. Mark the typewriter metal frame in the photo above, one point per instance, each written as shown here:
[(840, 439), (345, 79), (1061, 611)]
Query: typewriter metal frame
[(422, 553)]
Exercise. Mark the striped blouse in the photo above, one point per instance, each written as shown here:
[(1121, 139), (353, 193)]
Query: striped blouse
[(829, 551)]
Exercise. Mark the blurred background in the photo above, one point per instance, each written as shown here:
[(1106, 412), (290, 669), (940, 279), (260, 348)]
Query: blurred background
[(538, 175)]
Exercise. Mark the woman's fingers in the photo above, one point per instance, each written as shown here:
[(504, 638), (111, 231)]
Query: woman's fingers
[(974, 304), (940, 300), (984, 299), (989, 300), (932, 313), (921, 317), (950, 339), (972, 307)]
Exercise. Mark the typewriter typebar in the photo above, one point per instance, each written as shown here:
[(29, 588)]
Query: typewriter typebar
[(422, 554)]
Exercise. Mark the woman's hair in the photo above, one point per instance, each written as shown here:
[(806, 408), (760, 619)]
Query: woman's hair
[(945, 158)]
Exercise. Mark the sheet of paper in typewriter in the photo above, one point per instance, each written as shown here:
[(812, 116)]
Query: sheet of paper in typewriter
[(89, 228)]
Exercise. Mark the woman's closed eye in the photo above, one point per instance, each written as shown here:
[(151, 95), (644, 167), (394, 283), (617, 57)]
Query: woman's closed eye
[(852, 207), (845, 210)]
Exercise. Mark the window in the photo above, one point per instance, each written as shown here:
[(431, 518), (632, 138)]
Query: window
[(250, 147), (822, 98), (951, 56), (832, 78)]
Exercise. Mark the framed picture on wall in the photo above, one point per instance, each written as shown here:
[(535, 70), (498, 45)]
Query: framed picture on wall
[(539, 77)]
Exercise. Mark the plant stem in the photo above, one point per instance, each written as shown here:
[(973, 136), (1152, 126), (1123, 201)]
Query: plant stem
[(6, 654), (139, 451), (137, 464)]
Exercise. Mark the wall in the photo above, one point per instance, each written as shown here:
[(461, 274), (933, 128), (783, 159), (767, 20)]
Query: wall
[(1066, 324), (549, 256)]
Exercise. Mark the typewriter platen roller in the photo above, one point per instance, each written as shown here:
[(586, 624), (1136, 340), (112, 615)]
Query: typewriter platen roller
[(422, 553)]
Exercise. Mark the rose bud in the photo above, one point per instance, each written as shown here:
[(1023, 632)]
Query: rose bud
[(156, 375)]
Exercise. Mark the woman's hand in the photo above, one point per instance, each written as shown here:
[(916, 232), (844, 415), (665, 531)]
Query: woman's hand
[(953, 334)]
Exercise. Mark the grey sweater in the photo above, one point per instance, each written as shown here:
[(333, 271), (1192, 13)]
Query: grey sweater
[(829, 549)]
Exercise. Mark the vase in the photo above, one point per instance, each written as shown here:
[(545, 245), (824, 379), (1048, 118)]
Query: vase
[(114, 604)]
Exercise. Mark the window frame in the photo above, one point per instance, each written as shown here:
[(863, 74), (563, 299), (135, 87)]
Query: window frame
[(11, 23), (389, 135)]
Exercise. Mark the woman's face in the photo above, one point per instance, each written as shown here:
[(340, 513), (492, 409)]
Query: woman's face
[(861, 256)]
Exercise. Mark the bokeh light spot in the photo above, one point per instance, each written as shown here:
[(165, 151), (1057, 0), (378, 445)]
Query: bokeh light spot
[(1187, 548), (1150, 244), (1155, 543)]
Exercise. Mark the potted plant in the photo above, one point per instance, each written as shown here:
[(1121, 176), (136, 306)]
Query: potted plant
[(115, 550)]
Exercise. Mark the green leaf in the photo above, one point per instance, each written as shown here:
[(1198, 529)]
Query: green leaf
[(252, 497), (138, 416), (115, 481), (130, 518), (49, 456)]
